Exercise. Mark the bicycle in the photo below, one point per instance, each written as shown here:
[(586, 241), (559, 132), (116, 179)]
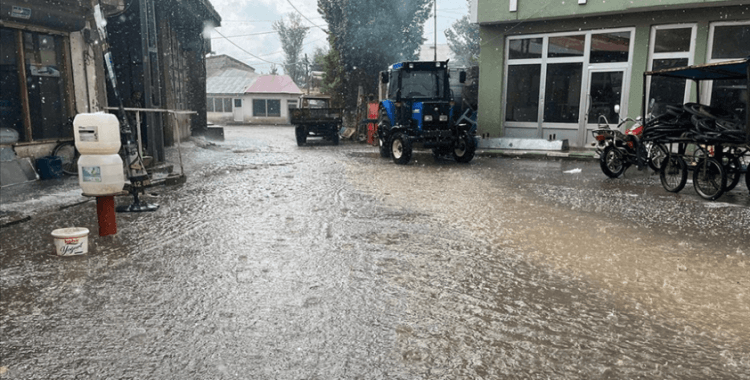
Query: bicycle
[(67, 151)]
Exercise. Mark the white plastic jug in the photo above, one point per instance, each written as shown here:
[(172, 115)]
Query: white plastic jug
[(101, 175), (97, 133)]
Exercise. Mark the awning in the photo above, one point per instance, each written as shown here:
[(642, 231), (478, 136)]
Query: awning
[(710, 71)]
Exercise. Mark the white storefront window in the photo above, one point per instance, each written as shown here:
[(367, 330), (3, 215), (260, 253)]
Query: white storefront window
[(554, 81), (728, 41), (670, 46)]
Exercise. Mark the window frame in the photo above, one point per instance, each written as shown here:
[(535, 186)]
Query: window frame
[(67, 86), (690, 54), (544, 61), (265, 107), (707, 86)]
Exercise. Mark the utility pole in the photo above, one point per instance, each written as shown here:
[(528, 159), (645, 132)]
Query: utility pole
[(435, 14)]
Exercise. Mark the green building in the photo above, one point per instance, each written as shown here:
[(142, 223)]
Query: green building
[(549, 68)]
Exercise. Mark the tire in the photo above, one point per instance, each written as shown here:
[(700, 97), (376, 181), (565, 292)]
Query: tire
[(656, 155), (611, 162), (383, 147), (709, 179), (335, 138), (733, 169), (301, 134), (747, 179), (465, 148), (69, 154), (673, 173), (384, 123), (401, 149)]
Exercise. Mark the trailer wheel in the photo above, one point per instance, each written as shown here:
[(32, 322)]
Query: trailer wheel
[(733, 168), (709, 179), (401, 149), (673, 173), (301, 134)]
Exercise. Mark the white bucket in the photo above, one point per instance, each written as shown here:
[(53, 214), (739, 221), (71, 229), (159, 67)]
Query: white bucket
[(71, 241)]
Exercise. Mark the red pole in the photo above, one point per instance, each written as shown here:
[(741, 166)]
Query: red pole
[(105, 212)]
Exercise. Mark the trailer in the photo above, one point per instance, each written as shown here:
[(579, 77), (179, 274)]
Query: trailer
[(316, 118), (712, 142)]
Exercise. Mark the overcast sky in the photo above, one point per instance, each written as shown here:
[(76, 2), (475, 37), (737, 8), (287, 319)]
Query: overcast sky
[(248, 24)]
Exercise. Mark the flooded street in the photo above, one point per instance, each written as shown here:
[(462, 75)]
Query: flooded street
[(328, 262)]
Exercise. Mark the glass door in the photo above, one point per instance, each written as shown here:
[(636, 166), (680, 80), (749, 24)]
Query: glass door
[(605, 90)]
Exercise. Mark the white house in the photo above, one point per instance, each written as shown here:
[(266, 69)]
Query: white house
[(236, 94)]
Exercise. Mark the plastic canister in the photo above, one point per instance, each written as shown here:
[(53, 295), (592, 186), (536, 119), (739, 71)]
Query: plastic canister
[(97, 133), (100, 175)]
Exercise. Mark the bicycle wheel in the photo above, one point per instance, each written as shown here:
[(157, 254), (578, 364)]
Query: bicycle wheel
[(656, 155), (673, 173), (69, 154), (733, 167), (709, 179)]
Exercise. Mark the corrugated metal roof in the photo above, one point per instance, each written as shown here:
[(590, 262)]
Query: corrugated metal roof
[(275, 84), (230, 81)]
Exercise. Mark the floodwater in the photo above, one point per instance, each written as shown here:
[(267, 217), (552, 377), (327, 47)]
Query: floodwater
[(328, 262)]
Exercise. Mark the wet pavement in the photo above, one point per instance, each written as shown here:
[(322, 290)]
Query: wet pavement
[(328, 262)]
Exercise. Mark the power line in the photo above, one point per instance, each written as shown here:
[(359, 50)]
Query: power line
[(238, 47), (244, 35), (303, 15)]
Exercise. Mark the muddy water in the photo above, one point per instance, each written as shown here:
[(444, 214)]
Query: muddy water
[(275, 261)]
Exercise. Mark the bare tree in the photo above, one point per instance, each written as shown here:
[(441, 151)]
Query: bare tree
[(292, 35)]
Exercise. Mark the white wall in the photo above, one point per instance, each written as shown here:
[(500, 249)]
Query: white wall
[(247, 105)]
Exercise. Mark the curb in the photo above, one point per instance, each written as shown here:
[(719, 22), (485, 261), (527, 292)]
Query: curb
[(537, 154)]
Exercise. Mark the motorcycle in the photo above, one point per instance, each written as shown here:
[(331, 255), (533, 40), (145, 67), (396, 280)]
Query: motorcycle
[(618, 151)]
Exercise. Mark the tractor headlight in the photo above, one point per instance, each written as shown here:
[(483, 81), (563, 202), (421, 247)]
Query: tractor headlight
[(443, 117), (427, 117)]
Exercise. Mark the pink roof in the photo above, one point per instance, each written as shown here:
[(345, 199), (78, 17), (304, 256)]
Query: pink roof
[(277, 84)]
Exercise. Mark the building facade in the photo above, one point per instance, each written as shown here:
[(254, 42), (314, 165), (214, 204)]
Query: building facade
[(52, 67), (549, 69), (236, 94)]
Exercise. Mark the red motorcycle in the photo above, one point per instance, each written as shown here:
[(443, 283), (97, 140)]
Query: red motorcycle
[(617, 150)]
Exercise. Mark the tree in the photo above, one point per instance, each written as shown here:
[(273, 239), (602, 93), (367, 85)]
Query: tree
[(292, 35), (367, 36), (274, 70), (463, 40)]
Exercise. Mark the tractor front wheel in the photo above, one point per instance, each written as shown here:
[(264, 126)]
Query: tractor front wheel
[(464, 150), (401, 149)]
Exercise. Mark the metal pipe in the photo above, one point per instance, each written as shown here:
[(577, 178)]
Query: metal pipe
[(643, 100)]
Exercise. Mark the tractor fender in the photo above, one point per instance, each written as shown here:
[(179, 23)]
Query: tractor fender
[(390, 109)]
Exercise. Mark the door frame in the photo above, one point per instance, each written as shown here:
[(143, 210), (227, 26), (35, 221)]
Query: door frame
[(238, 114), (586, 126)]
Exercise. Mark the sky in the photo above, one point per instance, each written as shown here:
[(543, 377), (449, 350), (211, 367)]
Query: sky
[(248, 25)]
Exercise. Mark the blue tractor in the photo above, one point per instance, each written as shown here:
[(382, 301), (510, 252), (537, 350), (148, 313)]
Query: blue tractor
[(419, 113)]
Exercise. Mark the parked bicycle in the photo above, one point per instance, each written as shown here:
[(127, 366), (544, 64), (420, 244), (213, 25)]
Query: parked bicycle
[(67, 151)]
